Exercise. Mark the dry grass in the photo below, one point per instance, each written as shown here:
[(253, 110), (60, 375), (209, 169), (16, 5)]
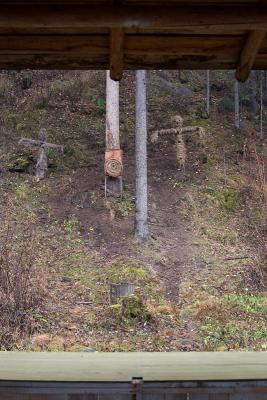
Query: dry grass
[(22, 286)]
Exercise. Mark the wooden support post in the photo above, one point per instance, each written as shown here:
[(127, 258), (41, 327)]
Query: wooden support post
[(249, 54), (141, 202), (116, 53), (113, 156)]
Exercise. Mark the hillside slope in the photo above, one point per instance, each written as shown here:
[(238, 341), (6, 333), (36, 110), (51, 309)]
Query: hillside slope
[(200, 282)]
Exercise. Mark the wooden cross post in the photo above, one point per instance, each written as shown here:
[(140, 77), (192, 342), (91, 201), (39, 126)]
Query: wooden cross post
[(178, 130), (41, 164), (113, 155)]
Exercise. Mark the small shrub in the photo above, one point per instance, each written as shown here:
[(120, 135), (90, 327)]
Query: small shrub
[(226, 103), (26, 80), (125, 208), (70, 223), (227, 198)]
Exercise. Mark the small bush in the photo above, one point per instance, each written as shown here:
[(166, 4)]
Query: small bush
[(26, 80), (227, 198), (70, 223), (125, 208), (226, 103)]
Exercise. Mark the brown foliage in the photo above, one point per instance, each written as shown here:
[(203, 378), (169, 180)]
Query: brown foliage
[(22, 287)]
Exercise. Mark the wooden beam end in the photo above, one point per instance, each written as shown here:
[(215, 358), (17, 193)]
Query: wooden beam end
[(116, 53), (249, 54)]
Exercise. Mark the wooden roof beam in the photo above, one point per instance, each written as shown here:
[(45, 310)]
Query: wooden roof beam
[(30, 19), (249, 54), (116, 53)]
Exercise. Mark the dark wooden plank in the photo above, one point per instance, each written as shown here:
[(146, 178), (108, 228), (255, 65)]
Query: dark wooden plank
[(92, 51), (116, 53), (139, 45), (77, 19)]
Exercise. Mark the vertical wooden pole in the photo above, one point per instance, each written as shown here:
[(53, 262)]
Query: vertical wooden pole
[(237, 116), (141, 212), (113, 153), (208, 92), (112, 114), (261, 104)]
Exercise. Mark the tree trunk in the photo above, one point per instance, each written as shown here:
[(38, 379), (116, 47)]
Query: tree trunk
[(261, 104), (254, 101), (118, 290), (113, 183), (208, 92), (237, 117), (141, 227)]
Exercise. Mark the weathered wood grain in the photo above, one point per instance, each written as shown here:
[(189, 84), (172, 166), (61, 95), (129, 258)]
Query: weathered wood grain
[(121, 367), (249, 54), (76, 19), (116, 53), (93, 51), (133, 34)]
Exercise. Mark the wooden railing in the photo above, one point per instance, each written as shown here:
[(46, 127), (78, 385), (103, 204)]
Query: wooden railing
[(130, 376)]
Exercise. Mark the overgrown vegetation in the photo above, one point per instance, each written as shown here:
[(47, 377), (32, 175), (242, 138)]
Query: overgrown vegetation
[(62, 244)]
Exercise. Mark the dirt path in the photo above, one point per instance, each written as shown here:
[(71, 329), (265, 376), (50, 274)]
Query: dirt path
[(171, 249)]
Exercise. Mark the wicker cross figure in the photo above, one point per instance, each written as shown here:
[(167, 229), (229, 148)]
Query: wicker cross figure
[(178, 130), (44, 146)]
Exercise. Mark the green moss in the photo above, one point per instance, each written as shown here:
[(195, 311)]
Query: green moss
[(129, 310), (21, 163), (120, 272)]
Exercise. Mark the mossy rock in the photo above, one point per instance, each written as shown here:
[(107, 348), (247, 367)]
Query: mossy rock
[(120, 272), (20, 163), (130, 310)]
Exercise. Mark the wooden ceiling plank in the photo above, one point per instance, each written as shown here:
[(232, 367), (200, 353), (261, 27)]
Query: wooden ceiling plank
[(116, 53), (133, 44), (77, 19), (249, 54)]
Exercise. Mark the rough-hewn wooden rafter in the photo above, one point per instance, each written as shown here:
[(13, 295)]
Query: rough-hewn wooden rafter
[(133, 34), (116, 53), (249, 54)]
